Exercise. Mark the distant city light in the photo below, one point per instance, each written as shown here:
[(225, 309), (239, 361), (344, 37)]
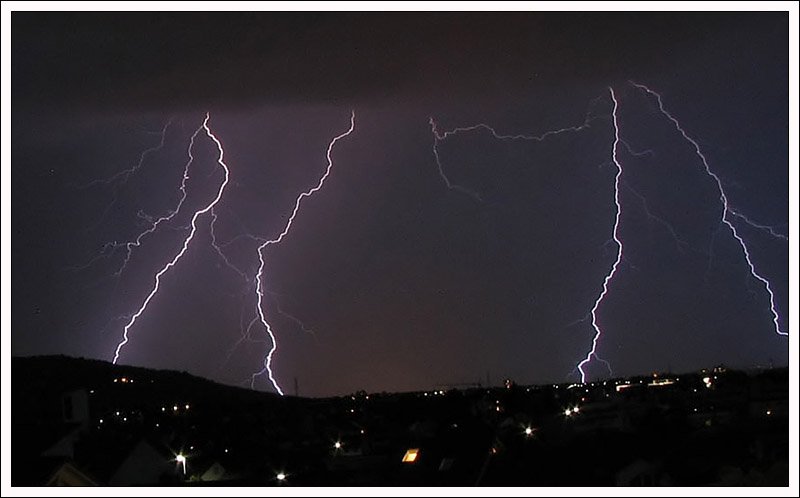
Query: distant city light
[(175, 408), (337, 445), (187, 406), (281, 476), (163, 408), (411, 455), (568, 412), (101, 420), (528, 431), (576, 409), (769, 412)]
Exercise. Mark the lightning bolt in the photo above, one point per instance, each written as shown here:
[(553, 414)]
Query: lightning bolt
[(122, 177), (260, 275), (615, 236), (302, 326), (126, 173), (680, 245), (174, 261), (727, 211), (452, 186), (245, 331), (764, 228), (439, 137), (218, 248), (154, 223)]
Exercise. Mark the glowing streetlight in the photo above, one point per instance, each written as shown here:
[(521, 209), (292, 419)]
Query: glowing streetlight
[(528, 431), (337, 445), (280, 477), (181, 460)]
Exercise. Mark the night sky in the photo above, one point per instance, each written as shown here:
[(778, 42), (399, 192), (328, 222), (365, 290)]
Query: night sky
[(401, 283)]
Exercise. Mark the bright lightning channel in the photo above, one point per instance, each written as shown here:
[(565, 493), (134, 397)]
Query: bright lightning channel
[(615, 235), (260, 275), (154, 224), (209, 207), (727, 211)]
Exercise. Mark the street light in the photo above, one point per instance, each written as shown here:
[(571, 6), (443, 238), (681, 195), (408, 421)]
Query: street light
[(181, 460)]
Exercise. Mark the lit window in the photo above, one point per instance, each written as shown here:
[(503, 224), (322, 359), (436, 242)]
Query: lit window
[(411, 455)]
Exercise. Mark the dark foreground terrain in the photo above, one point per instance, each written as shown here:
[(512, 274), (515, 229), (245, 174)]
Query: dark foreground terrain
[(86, 422)]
